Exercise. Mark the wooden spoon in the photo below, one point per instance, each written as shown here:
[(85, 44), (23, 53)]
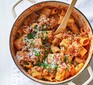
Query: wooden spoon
[(62, 26)]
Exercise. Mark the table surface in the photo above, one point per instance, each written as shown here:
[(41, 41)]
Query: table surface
[(6, 61)]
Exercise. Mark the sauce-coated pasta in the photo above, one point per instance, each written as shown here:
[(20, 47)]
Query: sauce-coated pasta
[(46, 56)]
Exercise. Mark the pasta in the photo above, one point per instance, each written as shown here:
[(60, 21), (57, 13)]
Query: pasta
[(20, 31), (30, 19), (54, 11), (82, 51), (46, 56), (74, 28), (20, 42), (27, 65), (70, 21), (56, 41), (78, 67), (84, 41), (63, 12), (46, 11), (55, 49), (35, 73), (59, 36), (65, 42), (83, 31), (60, 75)]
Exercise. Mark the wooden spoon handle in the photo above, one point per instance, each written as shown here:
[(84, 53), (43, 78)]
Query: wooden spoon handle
[(63, 24)]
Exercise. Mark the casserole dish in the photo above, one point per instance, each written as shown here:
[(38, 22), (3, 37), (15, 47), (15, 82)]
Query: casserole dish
[(79, 17)]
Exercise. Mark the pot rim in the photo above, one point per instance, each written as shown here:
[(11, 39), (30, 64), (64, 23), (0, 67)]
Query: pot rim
[(41, 81)]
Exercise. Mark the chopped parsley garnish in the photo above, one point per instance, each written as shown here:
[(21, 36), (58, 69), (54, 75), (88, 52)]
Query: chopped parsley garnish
[(39, 64), (39, 36), (46, 66), (67, 69), (76, 62), (70, 62), (46, 38), (37, 53), (27, 41), (26, 63), (66, 58), (35, 26), (46, 53), (50, 49), (60, 60), (46, 32), (44, 26), (31, 35), (32, 43), (55, 68), (49, 70), (44, 57)]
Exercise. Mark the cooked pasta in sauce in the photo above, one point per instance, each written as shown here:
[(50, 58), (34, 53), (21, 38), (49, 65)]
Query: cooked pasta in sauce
[(50, 57)]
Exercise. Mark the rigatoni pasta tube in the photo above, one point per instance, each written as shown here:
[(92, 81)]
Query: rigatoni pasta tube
[(70, 21), (82, 51), (53, 11), (74, 28), (59, 36), (46, 11), (20, 42), (20, 31), (65, 43), (60, 75), (55, 49), (83, 30), (79, 67), (56, 41), (27, 64), (49, 77), (62, 13), (84, 41)]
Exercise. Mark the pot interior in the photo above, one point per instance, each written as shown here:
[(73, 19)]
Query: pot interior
[(80, 19)]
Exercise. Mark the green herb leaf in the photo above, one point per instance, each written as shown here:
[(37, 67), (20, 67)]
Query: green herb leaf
[(27, 41), (44, 26), (76, 62), (39, 36), (39, 64), (37, 53), (36, 26), (70, 62), (66, 58), (67, 69), (46, 66), (49, 70), (32, 43), (50, 49), (55, 68), (46, 53), (31, 35), (26, 63), (46, 32), (46, 38)]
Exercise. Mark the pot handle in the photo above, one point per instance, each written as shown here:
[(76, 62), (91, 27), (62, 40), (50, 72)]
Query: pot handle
[(90, 71), (24, 5)]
